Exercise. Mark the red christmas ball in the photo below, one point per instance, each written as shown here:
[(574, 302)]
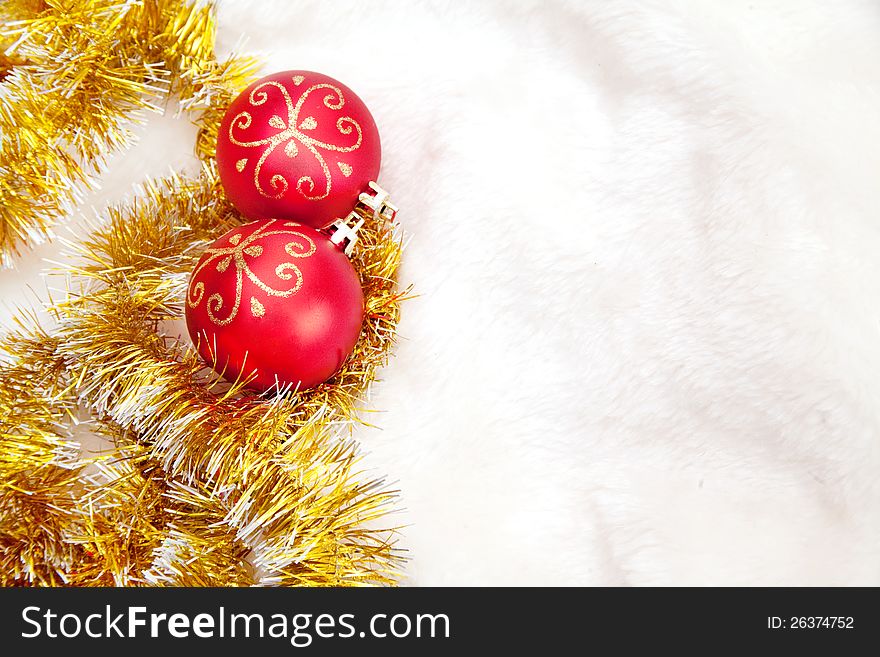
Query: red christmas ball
[(297, 145), (275, 299)]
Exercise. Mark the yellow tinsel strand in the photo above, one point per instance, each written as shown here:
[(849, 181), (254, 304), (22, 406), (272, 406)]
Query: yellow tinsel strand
[(39, 464), (73, 74), (282, 486), (208, 484), (274, 453)]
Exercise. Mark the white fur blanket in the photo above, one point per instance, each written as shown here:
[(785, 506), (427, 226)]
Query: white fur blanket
[(646, 239)]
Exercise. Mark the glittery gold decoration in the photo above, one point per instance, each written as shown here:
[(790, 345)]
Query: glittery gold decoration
[(203, 483), (71, 74), (268, 478)]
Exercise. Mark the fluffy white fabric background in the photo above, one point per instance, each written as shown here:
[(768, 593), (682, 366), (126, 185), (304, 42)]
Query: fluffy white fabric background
[(646, 237)]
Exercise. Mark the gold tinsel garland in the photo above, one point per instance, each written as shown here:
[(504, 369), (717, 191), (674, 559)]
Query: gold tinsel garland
[(208, 484), (72, 73)]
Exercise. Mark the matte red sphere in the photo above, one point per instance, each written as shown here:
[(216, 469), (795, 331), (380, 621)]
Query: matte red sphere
[(297, 145), (277, 299)]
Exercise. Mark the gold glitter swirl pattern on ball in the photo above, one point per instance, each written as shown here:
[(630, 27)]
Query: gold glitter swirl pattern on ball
[(291, 133), (238, 254)]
